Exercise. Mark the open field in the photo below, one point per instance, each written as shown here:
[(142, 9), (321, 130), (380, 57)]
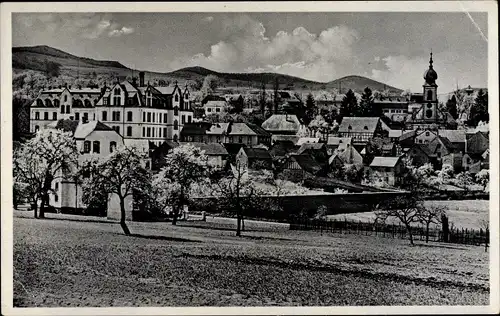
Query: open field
[(63, 261), (463, 214)]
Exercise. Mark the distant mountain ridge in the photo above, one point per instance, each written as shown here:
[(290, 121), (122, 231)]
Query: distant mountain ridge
[(35, 57)]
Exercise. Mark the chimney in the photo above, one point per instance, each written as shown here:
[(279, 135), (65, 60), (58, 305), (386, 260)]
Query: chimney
[(141, 79)]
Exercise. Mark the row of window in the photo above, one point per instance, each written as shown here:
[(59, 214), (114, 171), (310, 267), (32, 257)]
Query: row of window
[(96, 146), (394, 111), (46, 116), (216, 110)]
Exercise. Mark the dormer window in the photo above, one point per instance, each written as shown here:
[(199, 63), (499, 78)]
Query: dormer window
[(365, 128), (117, 91), (350, 127)]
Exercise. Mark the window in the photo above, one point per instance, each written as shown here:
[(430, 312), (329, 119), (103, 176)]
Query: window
[(217, 110), (112, 146), (159, 132), (117, 91), (165, 132), (176, 111), (365, 128), (86, 147), (148, 102), (94, 117), (144, 116), (129, 130), (46, 116), (87, 103), (429, 95), (176, 98), (37, 128), (65, 98), (143, 132), (77, 116), (68, 109), (85, 117), (154, 115), (183, 119), (468, 161), (147, 164), (37, 115), (149, 117), (153, 132), (240, 139), (189, 119), (230, 139), (116, 116), (96, 147), (62, 109), (104, 115), (218, 139), (209, 110), (159, 117), (56, 103), (54, 116), (427, 133), (176, 138), (165, 118), (148, 132), (105, 101), (176, 125), (129, 116), (56, 198), (117, 100)]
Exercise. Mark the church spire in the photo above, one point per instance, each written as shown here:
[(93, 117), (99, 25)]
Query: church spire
[(430, 61)]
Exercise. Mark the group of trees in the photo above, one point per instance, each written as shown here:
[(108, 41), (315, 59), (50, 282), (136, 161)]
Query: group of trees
[(476, 109), (365, 108), (187, 174)]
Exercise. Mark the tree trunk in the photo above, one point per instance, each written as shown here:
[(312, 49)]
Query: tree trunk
[(242, 223), (408, 228), (42, 207), (238, 225), (123, 224), (34, 205), (427, 234), (175, 215)]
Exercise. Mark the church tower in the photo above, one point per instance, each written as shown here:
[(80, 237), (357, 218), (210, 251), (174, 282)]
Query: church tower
[(430, 101)]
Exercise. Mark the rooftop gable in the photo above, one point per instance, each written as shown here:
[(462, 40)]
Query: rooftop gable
[(359, 125), (389, 162)]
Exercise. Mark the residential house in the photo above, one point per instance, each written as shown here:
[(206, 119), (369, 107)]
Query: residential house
[(348, 155), (215, 107), (316, 150), (386, 169), (94, 140), (361, 129), (335, 142), (233, 149), (284, 124), (281, 149), (217, 154), (298, 167), (395, 108), (140, 113), (420, 154), (255, 158), (242, 133)]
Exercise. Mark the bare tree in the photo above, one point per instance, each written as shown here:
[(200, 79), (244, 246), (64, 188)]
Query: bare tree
[(122, 173), (430, 215), (405, 208)]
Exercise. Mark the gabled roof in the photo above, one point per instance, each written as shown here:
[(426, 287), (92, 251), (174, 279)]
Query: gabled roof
[(216, 103), (193, 129), (424, 148), (211, 149), (306, 140), (389, 162), (258, 130), (240, 129), (257, 153), (453, 135), (285, 138), (85, 129), (350, 156), (358, 124), (282, 123), (310, 146), (477, 143), (167, 90), (334, 140), (307, 163)]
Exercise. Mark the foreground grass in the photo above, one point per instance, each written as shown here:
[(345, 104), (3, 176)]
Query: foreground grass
[(72, 263)]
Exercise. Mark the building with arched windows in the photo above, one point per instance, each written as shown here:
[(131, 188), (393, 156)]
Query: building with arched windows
[(140, 113)]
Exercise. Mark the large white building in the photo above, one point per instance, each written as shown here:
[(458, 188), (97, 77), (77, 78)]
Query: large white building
[(139, 113)]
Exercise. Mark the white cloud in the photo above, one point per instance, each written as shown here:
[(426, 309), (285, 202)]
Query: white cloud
[(119, 32), (245, 47)]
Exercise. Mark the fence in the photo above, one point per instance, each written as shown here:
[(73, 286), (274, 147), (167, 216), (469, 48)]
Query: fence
[(455, 235)]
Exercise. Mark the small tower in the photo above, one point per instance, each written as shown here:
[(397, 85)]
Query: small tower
[(430, 110)]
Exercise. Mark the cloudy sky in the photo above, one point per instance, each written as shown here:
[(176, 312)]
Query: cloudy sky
[(389, 47)]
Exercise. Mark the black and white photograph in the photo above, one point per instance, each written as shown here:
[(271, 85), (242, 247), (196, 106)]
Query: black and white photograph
[(241, 157)]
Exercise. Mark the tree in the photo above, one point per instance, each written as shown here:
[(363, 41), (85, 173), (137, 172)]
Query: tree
[(406, 209), (366, 104), (349, 104), (50, 155), (210, 84), (184, 166), (122, 174), (311, 111), (479, 111), (238, 192), (446, 173), (483, 178), (464, 180), (430, 215), (52, 69), (451, 107)]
